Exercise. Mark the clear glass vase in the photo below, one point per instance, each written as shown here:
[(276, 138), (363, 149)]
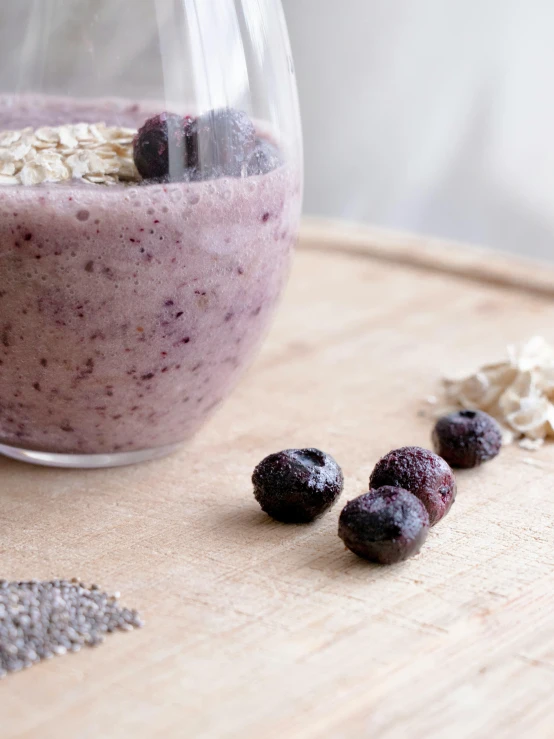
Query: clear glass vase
[(150, 194)]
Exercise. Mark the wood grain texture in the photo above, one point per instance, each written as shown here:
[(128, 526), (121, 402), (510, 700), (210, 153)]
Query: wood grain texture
[(257, 629)]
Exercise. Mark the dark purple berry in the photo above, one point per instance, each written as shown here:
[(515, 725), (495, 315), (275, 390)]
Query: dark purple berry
[(385, 526), (160, 150), (264, 159), (297, 485), (467, 438), (423, 473), (220, 143)]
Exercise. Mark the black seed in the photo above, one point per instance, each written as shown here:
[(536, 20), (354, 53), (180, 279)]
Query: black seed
[(5, 336)]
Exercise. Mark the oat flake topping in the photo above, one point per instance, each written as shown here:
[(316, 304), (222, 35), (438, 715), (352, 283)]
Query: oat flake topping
[(518, 392), (93, 152)]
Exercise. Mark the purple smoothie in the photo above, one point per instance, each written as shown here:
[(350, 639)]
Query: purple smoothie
[(127, 313)]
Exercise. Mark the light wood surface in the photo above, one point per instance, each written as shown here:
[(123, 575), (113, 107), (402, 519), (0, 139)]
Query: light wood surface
[(261, 630)]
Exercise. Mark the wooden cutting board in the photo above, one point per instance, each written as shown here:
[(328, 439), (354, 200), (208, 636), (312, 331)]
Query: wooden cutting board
[(263, 631)]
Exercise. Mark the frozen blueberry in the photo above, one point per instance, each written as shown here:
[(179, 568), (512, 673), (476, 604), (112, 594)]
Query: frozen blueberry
[(264, 159), (160, 150), (297, 485), (221, 143), (467, 438), (385, 526), (423, 473)]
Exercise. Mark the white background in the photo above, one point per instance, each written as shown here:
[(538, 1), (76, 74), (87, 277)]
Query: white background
[(435, 116)]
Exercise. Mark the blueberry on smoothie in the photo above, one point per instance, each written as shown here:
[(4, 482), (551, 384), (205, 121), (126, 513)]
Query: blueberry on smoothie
[(159, 148), (220, 143), (264, 159)]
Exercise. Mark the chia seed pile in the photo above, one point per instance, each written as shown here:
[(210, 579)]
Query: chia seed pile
[(39, 620)]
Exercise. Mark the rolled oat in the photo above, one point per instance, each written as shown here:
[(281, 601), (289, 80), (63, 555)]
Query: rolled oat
[(95, 152)]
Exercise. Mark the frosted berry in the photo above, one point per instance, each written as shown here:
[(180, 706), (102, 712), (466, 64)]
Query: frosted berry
[(385, 526), (160, 150), (220, 143), (297, 485), (264, 159), (423, 473), (467, 438)]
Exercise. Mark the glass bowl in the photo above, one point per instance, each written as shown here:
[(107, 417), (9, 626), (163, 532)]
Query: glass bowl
[(150, 195)]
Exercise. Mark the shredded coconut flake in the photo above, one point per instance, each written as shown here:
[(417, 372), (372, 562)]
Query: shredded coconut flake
[(518, 392), (95, 152)]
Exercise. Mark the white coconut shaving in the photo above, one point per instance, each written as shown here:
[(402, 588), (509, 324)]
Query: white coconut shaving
[(518, 392)]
